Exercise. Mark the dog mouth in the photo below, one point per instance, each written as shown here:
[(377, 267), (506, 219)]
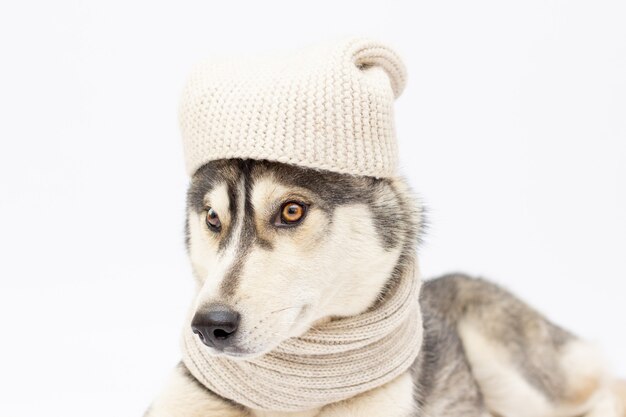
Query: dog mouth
[(235, 352), (239, 352), (261, 337)]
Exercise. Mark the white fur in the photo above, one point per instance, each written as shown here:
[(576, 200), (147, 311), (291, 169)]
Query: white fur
[(307, 276), (218, 200), (508, 394), (185, 398), (202, 249), (505, 391)]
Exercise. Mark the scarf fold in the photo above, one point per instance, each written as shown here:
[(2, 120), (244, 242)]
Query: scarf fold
[(335, 361)]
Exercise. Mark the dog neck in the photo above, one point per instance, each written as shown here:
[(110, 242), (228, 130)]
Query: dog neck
[(329, 363)]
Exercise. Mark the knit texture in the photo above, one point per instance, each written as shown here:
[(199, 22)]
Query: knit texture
[(338, 360), (329, 106)]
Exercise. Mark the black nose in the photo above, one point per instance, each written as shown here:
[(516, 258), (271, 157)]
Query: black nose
[(215, 325)]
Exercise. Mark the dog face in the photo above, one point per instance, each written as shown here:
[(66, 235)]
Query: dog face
[(276, 249)]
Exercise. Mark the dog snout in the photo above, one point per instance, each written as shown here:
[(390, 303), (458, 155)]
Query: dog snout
[(216, 326)]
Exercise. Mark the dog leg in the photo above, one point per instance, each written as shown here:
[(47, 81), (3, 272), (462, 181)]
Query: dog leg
[(611, 403), (184, 396), (577, 383), (525, 365)]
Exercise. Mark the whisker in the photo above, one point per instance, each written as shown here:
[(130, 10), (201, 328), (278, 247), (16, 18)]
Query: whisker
[(283, 309)]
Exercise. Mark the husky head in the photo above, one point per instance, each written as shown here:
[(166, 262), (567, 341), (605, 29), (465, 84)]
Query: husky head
[(276, 249)]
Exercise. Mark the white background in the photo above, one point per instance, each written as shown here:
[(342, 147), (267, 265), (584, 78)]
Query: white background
[(512, 129)]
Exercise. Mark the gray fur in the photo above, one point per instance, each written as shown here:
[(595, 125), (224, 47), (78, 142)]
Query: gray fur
[(393, 213), (444, 384), (333, 190), (533, 341)]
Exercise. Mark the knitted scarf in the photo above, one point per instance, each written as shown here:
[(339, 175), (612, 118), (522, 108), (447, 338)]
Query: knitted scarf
[(335, 361)]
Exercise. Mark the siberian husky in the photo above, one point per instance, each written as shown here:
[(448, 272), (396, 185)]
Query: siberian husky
[(309, 245)]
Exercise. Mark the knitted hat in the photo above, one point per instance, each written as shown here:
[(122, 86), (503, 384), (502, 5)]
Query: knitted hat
[(329, 106)]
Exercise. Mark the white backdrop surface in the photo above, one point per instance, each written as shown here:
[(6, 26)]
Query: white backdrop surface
[(512, 129)]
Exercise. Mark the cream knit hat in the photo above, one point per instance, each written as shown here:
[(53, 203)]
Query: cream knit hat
[(329, 106)]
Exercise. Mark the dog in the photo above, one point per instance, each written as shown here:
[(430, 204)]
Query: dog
[(280, 249)]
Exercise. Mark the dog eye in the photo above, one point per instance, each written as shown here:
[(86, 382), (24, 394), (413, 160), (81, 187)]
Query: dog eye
[(291, 213), (213, 220)]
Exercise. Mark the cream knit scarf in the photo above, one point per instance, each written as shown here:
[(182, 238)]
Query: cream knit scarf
[(329, 363)]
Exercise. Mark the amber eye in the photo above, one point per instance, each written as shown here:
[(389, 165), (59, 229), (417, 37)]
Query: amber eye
[(291, 214), (213, 220)]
